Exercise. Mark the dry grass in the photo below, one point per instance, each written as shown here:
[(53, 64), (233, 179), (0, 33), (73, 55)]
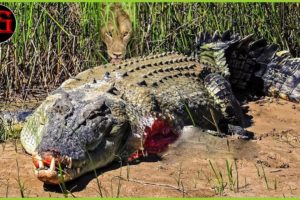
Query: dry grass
[(55, 41)]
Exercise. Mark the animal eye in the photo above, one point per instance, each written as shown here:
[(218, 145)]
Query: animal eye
[(125, 34), (109, 34), (93, 115)]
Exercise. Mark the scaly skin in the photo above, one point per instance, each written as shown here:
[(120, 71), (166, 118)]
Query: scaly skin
[(109, 111), (123, 110), (253, 66), (282, 77)]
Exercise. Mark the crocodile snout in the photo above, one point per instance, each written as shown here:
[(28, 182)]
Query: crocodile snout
[(52, 168)]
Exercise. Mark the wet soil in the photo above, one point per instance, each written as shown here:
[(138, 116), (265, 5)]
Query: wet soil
[(266, 166)]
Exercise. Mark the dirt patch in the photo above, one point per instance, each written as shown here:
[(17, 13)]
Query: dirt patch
[(266, 166)]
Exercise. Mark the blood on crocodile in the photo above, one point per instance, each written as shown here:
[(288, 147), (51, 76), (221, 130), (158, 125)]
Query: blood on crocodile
[(47, 158), (156, 139)]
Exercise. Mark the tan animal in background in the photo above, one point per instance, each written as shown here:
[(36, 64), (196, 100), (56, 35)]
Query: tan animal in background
[(116, 33)]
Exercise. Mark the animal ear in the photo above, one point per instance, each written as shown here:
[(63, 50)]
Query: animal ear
[(105, 7), (110, 10), (116, 7)]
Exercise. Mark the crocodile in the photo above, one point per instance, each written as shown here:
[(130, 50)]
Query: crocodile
[(125, 110), (278, 71), (139, 106), (254, 66)]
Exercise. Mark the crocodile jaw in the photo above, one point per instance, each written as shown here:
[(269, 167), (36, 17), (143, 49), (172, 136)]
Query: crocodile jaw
[(99, 135), (54, 170)]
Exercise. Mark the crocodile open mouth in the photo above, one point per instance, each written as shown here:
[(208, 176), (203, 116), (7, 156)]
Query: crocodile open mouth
[(54, 169)]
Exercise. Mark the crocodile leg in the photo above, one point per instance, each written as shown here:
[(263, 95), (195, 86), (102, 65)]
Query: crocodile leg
[(220, 89)]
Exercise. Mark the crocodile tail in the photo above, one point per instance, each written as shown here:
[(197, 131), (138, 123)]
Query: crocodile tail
[(256, 67), (211, 51), (251, 66), (237, 59), (282, 77)]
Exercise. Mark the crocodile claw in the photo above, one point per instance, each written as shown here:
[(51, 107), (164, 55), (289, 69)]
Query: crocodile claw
[(240, 132)]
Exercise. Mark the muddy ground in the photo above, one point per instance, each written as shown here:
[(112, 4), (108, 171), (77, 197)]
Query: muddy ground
[(266, 166)]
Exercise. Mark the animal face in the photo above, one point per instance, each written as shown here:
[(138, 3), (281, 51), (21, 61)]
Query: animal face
[(116, 33), (81, 133)]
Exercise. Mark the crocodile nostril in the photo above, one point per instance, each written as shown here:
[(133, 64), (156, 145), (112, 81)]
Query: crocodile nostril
[(63, 108)]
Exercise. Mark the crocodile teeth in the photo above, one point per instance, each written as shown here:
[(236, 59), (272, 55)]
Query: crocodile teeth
[(41, 164), (52, 165)]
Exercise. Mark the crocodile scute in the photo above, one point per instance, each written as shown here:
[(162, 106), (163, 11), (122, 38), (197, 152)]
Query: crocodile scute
[(140, 105), (253, 66), (116, 110)]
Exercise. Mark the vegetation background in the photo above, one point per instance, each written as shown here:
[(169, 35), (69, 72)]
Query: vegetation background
[(54, 41)]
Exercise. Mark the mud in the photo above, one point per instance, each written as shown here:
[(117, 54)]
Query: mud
[(266, 166)]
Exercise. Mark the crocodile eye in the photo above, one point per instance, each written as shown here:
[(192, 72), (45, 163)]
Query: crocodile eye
[(101, 112), (93, 115)]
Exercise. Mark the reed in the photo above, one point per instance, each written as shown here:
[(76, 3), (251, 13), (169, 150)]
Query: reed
[(54, 41)]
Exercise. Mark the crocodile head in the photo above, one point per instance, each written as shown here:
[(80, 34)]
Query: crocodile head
[(80, 133)]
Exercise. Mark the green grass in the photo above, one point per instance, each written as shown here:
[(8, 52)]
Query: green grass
[(262, 175), (189, 113), (232, 174), (265, 177), (99, 186), (220, 186), (237, 176), (231, 180), (20, 183), (62, 184), (54, 41), (9, 131)]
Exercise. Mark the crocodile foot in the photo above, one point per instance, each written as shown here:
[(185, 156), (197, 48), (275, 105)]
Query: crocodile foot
[(240, 132)]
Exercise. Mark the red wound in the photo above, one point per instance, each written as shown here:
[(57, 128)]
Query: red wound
[(157, 138)]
